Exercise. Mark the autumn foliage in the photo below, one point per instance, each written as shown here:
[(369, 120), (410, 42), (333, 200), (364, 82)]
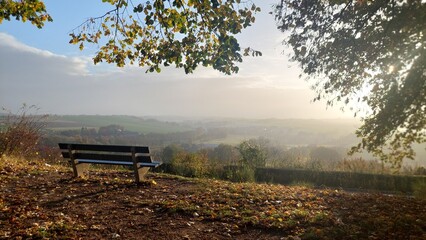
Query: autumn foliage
[(21, 132)]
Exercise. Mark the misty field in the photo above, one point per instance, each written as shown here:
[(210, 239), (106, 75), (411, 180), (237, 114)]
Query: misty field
[(130, 123)]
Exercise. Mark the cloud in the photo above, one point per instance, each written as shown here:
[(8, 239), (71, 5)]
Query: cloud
[(7, 40), (60, 84), (20, 59)]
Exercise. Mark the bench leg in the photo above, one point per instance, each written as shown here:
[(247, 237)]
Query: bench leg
[(80, 169), (140, 173)]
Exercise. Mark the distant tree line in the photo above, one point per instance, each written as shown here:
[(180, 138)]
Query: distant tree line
[(188, 156), (116, 134)]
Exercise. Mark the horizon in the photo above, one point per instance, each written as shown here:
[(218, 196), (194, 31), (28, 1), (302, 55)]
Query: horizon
[(161, 117)]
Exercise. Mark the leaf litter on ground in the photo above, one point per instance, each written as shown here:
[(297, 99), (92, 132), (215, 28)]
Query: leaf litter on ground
[(51, 204)]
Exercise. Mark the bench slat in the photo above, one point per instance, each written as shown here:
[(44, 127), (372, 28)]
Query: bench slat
[(104, 162), (145, 164), (104, 148), (106, 156)]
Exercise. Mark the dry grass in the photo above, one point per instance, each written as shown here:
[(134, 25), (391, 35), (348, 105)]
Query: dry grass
[(10, 164)]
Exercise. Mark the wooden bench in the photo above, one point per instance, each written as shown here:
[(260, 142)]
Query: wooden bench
[(82, 155)]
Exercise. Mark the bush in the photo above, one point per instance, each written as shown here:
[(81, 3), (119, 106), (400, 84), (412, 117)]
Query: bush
[(305, 184), (190, 164), (346, 180), (253, 153), (239, 174), (420, 171), (361, 165), (21, 132), (419, 190)]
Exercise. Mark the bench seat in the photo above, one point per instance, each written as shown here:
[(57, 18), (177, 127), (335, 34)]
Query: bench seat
[(152, 164)]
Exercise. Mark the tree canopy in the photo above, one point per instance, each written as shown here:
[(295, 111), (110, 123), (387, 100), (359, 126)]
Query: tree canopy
[(183, 33), (27, 10), (365, 53)]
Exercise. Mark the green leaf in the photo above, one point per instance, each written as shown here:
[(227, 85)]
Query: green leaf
[(351, 47), (184, 34)]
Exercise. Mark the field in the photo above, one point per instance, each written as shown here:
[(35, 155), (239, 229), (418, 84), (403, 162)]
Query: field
[(151, 125), (130, 123), (42, 201)]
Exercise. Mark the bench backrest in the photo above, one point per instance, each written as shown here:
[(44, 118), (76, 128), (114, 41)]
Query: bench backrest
[(106, 152)]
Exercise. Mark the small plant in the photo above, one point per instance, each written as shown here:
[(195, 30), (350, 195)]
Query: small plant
[(419, 190), (363, 166), (240, 174), (420, 171), (302, 184), (320, 217), (21, 132), (190, 164)]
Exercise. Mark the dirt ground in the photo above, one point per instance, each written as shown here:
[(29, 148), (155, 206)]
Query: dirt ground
[(103, 207), (109, 205)]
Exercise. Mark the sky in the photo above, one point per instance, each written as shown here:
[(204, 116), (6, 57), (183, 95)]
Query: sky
[(40, 67)]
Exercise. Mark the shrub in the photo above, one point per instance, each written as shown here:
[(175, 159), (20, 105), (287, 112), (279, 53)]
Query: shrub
[(420, 171), (240, 174), (170, 152), (21, 132), (419, 189), (361, 165), (190, 164), (253, 153), (302, 183)]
